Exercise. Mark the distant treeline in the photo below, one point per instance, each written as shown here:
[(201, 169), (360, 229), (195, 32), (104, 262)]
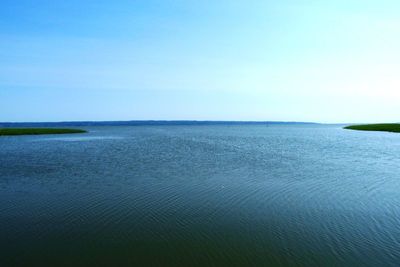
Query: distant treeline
[(141, 123)]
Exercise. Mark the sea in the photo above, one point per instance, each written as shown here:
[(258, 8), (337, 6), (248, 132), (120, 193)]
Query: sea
[(201, 194)]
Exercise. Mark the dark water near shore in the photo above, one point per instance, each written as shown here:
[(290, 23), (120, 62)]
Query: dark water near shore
[(239, 195)]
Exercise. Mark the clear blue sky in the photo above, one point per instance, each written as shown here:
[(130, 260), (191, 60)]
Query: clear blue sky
[(324, 61)]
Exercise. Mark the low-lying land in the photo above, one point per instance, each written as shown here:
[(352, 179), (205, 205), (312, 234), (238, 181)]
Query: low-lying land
[(383, 127), (35, 131)]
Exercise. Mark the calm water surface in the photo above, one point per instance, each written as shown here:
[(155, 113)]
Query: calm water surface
[(201, 196)]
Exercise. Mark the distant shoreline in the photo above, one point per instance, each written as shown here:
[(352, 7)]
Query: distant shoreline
[(146, 123)]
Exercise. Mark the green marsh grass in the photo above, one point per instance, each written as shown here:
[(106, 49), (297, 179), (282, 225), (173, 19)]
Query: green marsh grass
[(383, 127), (36, 131)]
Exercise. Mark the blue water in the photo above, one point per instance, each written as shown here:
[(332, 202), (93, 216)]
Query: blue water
[(217, 195)]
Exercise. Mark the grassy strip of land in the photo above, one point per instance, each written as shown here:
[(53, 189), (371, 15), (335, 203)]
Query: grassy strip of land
[(35, 131), (384, 127)]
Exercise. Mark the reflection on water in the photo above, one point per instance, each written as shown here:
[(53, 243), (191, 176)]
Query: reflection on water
[(201, 196), (79, 138)]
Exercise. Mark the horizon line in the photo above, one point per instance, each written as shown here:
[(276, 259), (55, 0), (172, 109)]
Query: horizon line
[(168, 121)]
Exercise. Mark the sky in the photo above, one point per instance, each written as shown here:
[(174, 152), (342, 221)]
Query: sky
[(287, 60)]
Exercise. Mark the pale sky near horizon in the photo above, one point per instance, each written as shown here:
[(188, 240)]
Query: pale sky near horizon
[(287, 60)]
